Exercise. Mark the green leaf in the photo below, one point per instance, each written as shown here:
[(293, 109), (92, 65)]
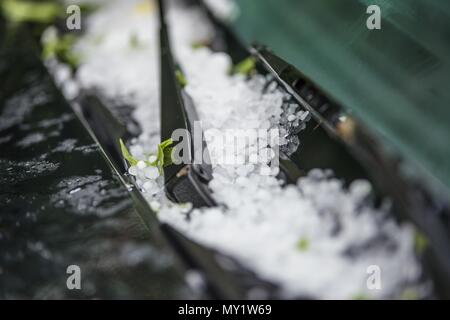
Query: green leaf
[(126, 154), (167, 159), (88, 8), (166, 143), (302, 244), (163, 156), (420, 242), (61, 48), (180, 78), (29, 11), (409, 294), (165, 153), (197, 45), (360, 296), (245, 67), (134, 41), (160, 156), (153, 164)]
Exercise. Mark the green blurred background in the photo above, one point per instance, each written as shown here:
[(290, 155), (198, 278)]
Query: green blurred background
[(397, 79)]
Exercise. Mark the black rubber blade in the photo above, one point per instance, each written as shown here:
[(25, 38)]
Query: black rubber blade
[(185, 182)]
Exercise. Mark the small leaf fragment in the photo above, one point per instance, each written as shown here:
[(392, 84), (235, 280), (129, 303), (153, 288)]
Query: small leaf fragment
[(163, 157), (61, 48), (245, 67), (409, 294), (420, 242), (29, 11), (180, 78), (126, 154), (303, 244), (165, 153), (134, 41), (197, 45), (360, 296)]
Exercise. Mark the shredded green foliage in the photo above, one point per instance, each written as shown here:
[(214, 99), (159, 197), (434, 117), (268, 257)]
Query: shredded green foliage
[(167, 160), (19, 11), (197, 45), (61, 48), (245, 67), (126, 154), (88, 8), (163, 156), (164, 153), (420, 242), (134, 41), (360, 296), (166, 143), (303, 244), (153, 163), (180, 78), (409, 294)]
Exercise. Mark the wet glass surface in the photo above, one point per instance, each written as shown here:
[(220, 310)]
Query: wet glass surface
[(60, 204)]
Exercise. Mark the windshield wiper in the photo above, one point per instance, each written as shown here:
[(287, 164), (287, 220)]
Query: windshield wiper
[(184, 182)]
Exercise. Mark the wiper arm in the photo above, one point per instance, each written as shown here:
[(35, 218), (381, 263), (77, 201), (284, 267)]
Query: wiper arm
[(184, 182)]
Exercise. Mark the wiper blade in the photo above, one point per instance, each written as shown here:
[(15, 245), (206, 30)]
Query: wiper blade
[(298, 85), (184, 182)]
